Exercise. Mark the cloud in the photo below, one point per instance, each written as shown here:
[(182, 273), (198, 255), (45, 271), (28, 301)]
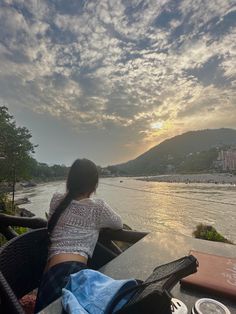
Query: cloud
[(120, 64)]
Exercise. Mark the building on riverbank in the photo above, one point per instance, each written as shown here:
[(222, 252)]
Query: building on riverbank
[(227, 159)]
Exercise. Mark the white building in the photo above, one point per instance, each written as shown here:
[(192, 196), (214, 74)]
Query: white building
[(227, 159)]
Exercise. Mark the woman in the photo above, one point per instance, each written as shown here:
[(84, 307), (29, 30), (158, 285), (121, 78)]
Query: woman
[(74, 224)]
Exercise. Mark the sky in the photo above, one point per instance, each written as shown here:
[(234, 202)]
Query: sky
[(109, 79)]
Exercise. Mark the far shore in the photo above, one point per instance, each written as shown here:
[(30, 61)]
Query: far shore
[(216, 178)]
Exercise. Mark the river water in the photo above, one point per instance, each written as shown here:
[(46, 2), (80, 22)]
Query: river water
[(155, 206)]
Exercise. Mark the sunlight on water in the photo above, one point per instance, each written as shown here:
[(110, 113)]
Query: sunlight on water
[(153, 206)]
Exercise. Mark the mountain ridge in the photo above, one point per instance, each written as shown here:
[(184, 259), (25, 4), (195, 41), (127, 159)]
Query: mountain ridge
[(174, 150)]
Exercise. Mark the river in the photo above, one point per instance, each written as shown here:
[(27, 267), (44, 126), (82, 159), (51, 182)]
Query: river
[(155, 206)]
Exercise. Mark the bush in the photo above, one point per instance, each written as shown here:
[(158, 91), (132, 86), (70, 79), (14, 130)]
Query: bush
[(207, 232), (6, 204)]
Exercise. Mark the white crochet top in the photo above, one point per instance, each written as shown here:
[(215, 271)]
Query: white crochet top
[(78, 227)]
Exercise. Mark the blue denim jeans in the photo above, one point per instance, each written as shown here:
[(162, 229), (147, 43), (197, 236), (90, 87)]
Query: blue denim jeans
[(53, 281)]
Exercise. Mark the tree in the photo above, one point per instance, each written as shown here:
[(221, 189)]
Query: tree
[(15, 149), (42, 171), (202, 161)]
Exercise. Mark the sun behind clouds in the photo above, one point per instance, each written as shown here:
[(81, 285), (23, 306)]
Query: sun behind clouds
[(142, 71)]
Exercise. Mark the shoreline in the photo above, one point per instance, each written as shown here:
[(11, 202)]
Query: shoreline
[(216, 178)]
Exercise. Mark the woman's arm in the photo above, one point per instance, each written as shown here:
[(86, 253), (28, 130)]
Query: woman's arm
[(109, 218)]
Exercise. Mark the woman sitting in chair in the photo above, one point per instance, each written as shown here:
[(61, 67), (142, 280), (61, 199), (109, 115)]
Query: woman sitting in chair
[(74, 224)]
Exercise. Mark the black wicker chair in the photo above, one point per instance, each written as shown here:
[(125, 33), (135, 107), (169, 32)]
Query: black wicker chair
[(23, 258), (22, 261)]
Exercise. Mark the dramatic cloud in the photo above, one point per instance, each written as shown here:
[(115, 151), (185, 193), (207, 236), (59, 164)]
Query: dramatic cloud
[(123, 75)]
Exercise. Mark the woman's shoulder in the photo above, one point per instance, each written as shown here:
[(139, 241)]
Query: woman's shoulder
[(93, 202), (92, 206), (99, 202)]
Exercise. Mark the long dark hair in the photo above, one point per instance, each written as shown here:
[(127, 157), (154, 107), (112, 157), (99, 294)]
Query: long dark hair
[(82, 179)]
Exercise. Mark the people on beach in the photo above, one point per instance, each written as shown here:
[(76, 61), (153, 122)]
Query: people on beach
[(75, 220)]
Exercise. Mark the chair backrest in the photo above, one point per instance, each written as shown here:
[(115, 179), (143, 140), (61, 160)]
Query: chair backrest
[(8, 300), (22, 261)]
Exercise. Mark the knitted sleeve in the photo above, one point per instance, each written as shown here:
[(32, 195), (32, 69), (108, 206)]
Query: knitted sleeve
[(108, 217)]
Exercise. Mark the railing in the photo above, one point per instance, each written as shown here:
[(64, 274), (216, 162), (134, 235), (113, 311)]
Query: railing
[(107, 236), (7, 221)]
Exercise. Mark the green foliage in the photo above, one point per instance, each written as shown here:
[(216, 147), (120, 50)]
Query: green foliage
[(114, 170), (2, 240), (196, 162), (8, 210), (15, 148), (6, 203), (206, 232), (42, 171), (16, 162), (20, 230)]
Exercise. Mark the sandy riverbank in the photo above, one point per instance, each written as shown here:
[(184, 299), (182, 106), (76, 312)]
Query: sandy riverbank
[(217, 178)]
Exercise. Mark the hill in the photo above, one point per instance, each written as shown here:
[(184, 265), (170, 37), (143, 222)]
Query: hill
[(191, 151)]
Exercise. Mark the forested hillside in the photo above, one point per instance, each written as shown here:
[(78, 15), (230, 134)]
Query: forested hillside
[(191, 151)]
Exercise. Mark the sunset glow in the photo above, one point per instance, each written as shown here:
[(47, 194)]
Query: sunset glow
[(109, 79), (157, 125)]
